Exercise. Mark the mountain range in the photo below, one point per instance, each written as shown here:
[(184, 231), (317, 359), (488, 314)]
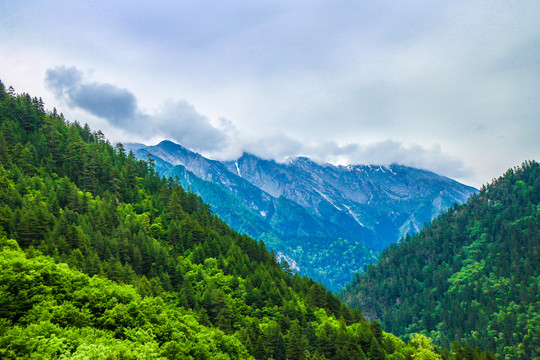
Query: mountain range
[(326, 221)]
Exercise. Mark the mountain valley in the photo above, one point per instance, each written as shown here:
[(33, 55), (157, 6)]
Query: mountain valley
[(327, 221)]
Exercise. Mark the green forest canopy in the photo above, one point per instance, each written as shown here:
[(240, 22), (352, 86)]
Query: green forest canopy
[(102, 258)]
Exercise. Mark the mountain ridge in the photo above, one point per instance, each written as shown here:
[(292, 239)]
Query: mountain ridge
[(366, 206)]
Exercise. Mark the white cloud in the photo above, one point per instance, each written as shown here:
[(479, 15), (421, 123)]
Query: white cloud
[(179, 121)]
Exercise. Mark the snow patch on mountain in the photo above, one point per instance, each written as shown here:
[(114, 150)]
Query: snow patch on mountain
[(280, 256), (353, 215)]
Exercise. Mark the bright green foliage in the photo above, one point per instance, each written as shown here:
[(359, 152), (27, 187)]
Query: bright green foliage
[(119, 263), (471, 275), (49, 310)]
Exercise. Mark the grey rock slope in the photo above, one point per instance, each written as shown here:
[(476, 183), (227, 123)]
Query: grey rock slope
[(391, 201), (327, 221)]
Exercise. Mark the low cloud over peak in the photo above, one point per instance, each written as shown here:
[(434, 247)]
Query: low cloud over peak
[(280, 147), (178, 119)]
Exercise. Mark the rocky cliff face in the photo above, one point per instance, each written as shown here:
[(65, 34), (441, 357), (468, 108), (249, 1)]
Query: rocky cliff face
[(361, 196), (330, 220)]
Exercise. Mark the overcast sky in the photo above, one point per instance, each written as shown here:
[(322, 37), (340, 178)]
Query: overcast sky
[(448, 86)]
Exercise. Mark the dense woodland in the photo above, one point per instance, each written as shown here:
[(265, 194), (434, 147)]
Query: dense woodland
[(100, 258), (472, 275), (331, 261)]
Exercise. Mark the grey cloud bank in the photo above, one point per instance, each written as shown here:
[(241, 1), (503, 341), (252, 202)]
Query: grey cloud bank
[(174, 120), (103, 100), (447, 86)]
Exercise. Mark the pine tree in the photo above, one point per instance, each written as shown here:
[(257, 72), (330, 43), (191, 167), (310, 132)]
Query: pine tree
[(297, 344)]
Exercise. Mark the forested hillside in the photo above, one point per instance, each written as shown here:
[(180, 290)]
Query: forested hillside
[(473, 274), (119, 263)]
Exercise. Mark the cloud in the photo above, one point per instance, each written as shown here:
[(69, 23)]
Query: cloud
[(180, 121), (63, 80), (280, 147), (106, 101), (174, 120), (277, 146), (389, 152), (433, 159)]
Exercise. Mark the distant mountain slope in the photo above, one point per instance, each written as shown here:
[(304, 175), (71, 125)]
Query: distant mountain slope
[(327, 221), (472, 274), (357, 197)]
